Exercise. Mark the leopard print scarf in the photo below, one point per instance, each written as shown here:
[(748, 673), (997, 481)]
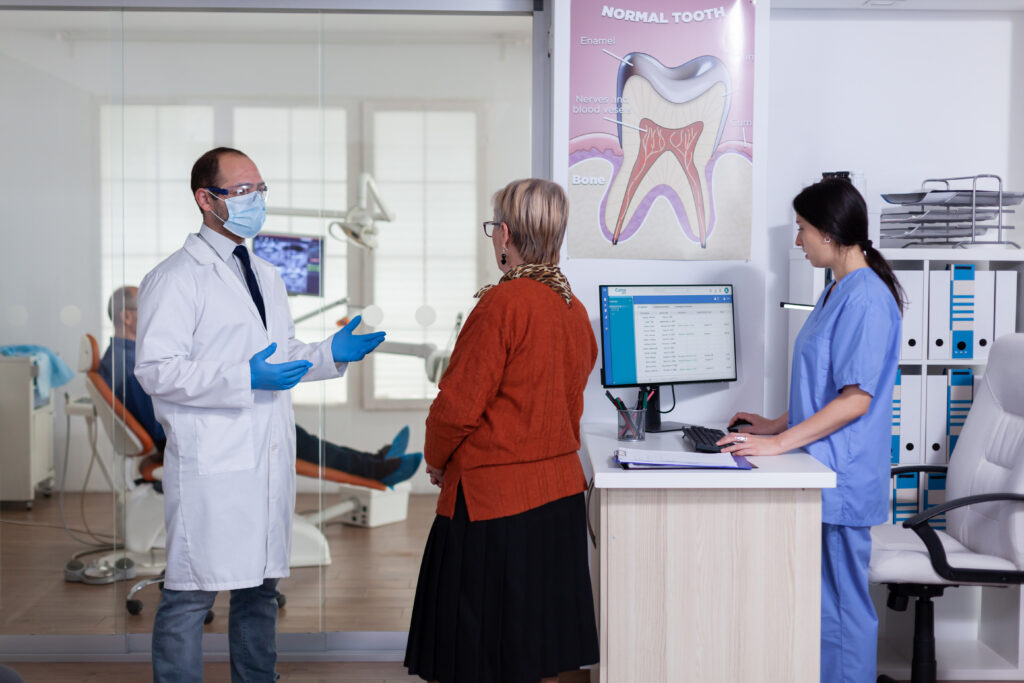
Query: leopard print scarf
[(544, 273)]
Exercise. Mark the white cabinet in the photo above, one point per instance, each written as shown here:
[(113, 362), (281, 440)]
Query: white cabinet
[(960, 300), (26, 431)]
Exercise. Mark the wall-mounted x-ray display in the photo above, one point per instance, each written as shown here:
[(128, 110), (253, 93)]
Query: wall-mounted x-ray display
[(660, 130)]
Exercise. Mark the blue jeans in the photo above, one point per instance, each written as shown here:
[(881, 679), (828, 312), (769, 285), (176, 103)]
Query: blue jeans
[(252, 624)]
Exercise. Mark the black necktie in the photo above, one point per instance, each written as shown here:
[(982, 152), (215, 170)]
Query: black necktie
[(250, 279)]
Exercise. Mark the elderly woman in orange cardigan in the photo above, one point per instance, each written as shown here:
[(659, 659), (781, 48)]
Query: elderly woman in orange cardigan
[(504, 587)]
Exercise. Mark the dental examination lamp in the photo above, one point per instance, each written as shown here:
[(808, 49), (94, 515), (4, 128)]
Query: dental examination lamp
[(359, 223), (435, 360)]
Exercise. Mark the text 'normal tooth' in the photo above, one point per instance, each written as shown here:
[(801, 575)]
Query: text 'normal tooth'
[(690, 103)]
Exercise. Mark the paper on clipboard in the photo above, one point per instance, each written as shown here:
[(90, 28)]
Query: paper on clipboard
[(679, 459)]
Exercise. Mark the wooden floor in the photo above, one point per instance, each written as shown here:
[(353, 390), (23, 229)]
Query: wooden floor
[(369, 585), (378, 672), (291, 672)]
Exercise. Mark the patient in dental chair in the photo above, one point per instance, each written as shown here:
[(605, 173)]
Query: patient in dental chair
[(389, 465)]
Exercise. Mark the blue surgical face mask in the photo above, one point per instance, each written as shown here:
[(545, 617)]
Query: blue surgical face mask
[(245, 214)]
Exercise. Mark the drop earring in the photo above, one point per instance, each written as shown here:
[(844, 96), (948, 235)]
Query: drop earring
[(504, 259)]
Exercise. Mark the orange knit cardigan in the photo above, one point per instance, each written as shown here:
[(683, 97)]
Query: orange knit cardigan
[(506, 423)]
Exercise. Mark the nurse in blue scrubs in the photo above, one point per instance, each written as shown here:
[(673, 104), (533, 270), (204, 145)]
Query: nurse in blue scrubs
[(840, 411)]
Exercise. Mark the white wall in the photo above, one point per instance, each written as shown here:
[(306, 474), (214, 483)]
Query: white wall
[(49, 225), (59, 78), (898, 96)]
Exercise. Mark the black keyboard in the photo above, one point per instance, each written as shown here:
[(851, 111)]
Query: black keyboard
[(704, 438)]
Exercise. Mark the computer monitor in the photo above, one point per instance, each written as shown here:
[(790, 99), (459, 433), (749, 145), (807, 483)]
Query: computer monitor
[(653, 335), (298, 258)]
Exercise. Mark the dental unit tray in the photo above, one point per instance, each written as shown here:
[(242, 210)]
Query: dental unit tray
[(939, 215)]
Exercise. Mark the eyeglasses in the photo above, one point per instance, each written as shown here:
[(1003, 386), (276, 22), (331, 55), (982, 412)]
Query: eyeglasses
[(489, 227), (239, 190)]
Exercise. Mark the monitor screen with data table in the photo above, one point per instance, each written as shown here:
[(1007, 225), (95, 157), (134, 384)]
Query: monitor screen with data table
[(667, 334)]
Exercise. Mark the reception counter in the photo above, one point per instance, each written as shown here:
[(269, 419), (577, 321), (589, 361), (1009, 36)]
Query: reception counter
[(706, 575)]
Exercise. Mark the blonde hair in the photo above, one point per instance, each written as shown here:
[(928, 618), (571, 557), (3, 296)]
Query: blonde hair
[(536, 212)]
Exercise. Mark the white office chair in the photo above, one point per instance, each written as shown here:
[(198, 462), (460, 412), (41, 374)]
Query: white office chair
[(984, 539)]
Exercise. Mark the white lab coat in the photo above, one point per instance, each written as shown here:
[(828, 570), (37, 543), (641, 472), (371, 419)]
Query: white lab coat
[(229, 463)]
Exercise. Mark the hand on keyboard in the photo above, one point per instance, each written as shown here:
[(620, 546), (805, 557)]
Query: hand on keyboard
[(704, 438), (747, 444)]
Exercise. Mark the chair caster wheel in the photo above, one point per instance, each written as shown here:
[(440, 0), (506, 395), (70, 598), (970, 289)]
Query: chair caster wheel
[(281, 600), (133, 606), (208, 618)]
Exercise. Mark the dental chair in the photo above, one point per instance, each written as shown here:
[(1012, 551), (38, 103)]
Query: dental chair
[(138, 506)]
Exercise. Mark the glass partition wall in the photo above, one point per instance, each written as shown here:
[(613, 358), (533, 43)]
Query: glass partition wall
[(414, 119)]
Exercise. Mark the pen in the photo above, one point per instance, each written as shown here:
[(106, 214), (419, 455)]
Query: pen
[(630, 425)]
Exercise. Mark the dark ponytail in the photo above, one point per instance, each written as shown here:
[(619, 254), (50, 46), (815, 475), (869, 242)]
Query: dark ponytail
[(837, 210)]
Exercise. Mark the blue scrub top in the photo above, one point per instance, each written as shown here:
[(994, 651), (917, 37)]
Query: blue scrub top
[(853, 338)]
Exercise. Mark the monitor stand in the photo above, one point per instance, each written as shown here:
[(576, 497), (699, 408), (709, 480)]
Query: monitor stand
[(653, 422)]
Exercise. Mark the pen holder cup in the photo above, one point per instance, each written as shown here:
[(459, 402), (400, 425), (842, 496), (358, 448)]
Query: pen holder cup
[(632, 424)]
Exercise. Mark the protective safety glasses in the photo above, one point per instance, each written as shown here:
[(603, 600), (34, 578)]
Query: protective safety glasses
[(239, 190)]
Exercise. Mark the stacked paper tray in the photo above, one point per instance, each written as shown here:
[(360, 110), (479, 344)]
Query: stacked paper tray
[(946, 217), (955, 198)]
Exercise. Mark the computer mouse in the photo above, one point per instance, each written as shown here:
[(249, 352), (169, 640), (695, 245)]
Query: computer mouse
[(738, 425)]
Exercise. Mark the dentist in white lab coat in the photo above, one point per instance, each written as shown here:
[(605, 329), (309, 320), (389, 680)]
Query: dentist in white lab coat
[(216, 352)]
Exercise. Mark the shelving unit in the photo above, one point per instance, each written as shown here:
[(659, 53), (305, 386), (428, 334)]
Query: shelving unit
[(26, 454), (978, 630)]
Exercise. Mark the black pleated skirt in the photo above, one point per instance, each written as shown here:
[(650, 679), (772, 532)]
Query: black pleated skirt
[(504, 600)]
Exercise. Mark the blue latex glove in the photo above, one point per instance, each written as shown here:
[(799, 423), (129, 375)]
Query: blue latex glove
[(275, 376), (346, 346)]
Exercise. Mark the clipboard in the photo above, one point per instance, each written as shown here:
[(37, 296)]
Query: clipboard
[(651, 460)]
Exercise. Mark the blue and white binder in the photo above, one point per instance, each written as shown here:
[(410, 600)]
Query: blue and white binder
[(914, 333), (936, 420), (910, 420), (984, 310), (894, 445), (959, 399), (904, 497), (935, 494), (938, 315), (961, 310), (1005, 315)]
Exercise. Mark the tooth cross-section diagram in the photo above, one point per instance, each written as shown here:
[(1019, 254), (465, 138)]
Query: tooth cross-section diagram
[(668, 135)]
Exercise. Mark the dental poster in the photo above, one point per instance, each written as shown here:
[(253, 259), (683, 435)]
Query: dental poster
[(660, 143)]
